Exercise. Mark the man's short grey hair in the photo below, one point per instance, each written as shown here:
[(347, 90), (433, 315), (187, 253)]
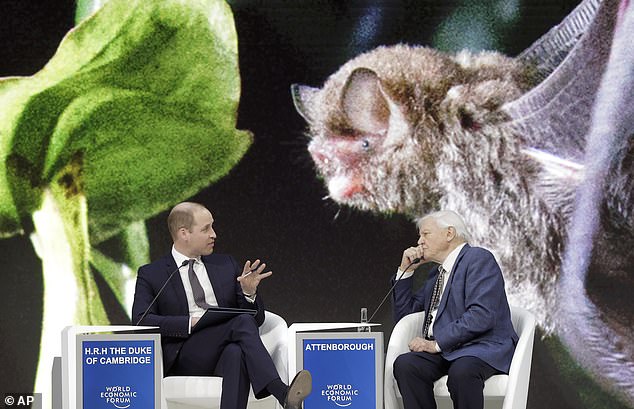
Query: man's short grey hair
[(448, 218)]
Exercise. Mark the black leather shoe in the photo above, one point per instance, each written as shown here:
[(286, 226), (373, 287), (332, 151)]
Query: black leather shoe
[(300, 388)]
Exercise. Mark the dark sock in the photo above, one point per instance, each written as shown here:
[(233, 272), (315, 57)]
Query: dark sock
[(278, 389)]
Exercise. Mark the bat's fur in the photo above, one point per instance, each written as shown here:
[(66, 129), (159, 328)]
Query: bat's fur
[(447, 146), (500, 140)]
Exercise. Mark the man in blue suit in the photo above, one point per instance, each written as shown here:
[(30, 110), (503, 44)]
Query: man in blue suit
[(230, 347), (468, 334)]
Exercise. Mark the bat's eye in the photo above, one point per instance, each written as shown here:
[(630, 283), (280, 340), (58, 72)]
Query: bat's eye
[(365, 144)]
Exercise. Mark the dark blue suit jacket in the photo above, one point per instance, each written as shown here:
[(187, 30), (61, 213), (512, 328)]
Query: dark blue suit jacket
[(474, 317), (170, 312)]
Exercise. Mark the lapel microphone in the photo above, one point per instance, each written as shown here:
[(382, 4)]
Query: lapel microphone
[(183, 264), (415, 261)]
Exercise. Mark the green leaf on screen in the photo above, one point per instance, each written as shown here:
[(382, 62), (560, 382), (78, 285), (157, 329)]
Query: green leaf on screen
[(143, 96)]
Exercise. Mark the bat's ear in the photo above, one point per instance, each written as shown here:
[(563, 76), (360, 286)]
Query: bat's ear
[(304, 100), (364, 102)]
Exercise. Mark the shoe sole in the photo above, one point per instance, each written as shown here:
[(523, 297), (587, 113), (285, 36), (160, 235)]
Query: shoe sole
[(300, 388)]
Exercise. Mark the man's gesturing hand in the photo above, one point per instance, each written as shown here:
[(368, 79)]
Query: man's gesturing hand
[(252, 274)]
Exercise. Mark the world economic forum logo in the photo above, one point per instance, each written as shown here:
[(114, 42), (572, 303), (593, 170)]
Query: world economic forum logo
[(121, 397), (340, 395)]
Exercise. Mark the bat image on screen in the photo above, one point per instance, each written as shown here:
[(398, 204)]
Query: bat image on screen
[(534, 151)]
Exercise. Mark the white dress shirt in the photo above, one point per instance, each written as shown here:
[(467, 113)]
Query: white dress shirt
[(447, 265), (203, 277)]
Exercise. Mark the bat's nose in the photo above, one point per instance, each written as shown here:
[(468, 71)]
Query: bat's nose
[(319, 154)]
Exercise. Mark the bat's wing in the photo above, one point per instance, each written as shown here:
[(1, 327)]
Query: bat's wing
[(607, 180), (603, 200), (548, 52), (564, 119), (553, 117)]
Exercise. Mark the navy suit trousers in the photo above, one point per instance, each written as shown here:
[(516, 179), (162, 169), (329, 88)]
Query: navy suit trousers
[(416, 372), (234, 351)]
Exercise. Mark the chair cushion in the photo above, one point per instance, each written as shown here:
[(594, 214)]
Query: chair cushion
[(185, 392), (195, 390)]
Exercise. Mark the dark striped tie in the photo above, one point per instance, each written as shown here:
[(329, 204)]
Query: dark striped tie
[(197, 289), (435, 300)]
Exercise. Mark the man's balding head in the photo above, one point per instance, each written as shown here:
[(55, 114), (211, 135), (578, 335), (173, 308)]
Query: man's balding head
[(182, 216)]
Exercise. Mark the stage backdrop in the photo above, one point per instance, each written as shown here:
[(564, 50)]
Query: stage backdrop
[(147, 105)]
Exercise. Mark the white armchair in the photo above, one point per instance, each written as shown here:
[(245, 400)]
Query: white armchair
[(190, 392), (500, 391)]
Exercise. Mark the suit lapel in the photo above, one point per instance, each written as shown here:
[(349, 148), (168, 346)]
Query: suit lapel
[(177, 285), (456, 266), (212, 272)]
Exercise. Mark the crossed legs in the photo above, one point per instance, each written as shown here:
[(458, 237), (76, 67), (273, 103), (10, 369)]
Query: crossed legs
[(233, 350)]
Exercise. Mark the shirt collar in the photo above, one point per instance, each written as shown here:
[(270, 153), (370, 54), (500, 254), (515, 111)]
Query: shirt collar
[(180, 258), (451, 258)]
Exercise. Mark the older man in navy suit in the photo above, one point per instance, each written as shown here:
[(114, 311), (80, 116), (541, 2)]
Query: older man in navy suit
[(467, 334), (230, 347)]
